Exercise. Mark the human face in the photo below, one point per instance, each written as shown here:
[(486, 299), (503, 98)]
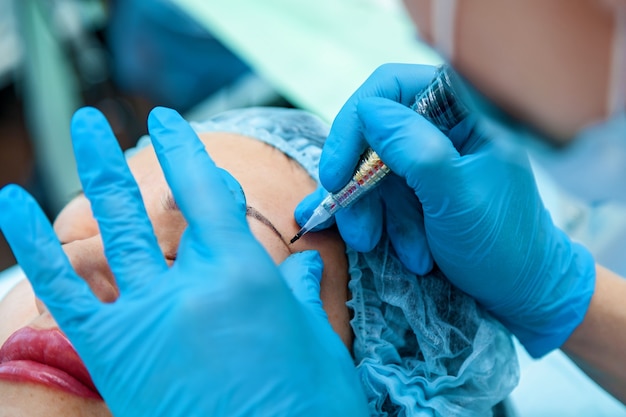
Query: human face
[(551, 64), (273, 185)]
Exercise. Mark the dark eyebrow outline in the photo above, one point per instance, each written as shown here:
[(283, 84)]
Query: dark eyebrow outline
[(254, 213), (170, 205)]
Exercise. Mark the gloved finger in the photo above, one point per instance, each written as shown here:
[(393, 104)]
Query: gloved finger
[(198, 185), (39, 253), (404, 221), (302, 272), (467, 136), (235, 189), (361, 225), (411, 146), (345, 143), (129, 242), (304, 210)]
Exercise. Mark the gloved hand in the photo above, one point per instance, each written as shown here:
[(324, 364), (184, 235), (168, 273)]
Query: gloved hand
[(471, 205), (211, 335), (360, 225)]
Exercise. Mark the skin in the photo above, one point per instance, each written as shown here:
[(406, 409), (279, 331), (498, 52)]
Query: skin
[(539, 45), (256, 166)]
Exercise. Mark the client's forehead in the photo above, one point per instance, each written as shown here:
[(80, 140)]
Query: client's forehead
[(273, 183), (224, 144), (242, 155), (250, 161)]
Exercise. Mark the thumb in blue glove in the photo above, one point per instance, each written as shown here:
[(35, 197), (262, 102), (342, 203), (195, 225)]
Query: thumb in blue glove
[(303, 273)]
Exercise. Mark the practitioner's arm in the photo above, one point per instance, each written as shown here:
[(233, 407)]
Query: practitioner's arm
[(598, 345)]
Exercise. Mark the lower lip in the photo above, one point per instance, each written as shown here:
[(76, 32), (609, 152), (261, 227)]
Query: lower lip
[(29, 371)]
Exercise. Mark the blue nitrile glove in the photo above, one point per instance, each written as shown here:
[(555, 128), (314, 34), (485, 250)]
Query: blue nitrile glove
[(360, 225), (479, 213), (223, 332)]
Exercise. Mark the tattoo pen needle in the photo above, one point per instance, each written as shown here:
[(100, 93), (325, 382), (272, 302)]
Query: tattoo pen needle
[(438, 103)]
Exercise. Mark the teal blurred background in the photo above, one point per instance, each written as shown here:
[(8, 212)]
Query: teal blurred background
[(123, 57), (126, 56)]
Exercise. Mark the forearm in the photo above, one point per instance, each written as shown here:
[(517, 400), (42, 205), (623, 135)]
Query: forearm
[(598, 344)]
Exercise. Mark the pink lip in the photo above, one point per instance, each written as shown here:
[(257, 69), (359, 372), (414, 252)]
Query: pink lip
[(45, 357)]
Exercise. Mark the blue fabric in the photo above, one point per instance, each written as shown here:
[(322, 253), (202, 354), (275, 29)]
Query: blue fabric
[(421, 347), (164, 55), (296, 133)]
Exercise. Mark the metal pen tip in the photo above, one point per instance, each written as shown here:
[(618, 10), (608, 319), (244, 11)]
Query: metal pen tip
[(297, 236)]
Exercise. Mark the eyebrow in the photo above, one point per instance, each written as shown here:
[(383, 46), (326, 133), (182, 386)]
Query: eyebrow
[(170, 205), (255, 214)]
